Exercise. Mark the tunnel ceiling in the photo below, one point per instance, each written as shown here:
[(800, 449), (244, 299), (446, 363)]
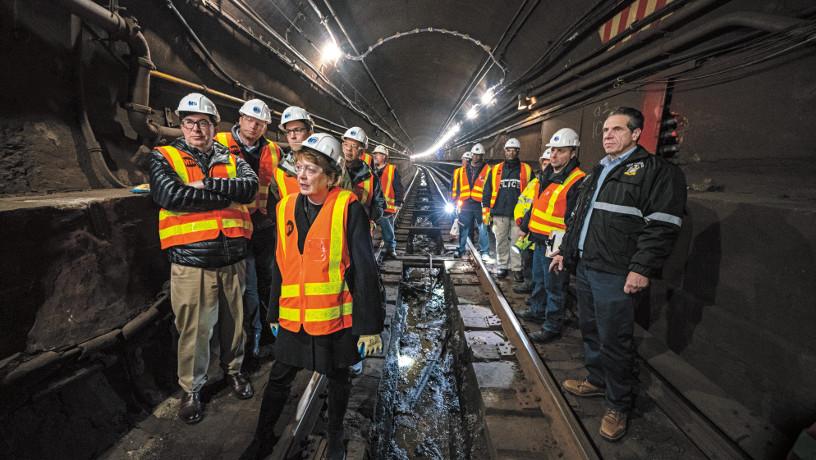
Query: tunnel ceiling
[(422, 76)]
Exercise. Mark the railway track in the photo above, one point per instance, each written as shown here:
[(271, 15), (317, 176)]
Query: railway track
[(460, 379)]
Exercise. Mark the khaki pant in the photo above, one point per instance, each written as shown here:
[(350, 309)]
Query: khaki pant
[(205, 299), (507, 232)]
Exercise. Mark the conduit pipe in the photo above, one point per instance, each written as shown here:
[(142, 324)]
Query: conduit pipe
[(129, 31), (601, 75)]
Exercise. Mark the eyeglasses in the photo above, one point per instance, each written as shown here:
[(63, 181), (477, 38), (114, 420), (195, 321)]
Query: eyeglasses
[(202, 124), (350, 146), (308, 169), (289, 132)]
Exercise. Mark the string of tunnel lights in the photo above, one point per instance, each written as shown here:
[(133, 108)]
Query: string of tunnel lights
[(331, 53)]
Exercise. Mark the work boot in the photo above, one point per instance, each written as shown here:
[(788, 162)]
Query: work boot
[(613, 424), (241, 385), (544, 336), (518, 277), (582, 388), (501, 273), (530, 315), (390, 254), (191, 410), (524, 288), (336, 448)]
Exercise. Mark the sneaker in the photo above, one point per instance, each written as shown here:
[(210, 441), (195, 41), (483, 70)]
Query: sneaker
[(529, 315), (487, 259), (582, 388), (389, 254), (518, 277), (543, 336), (613, 425), (356, 370), (191, 410), (501, 273)]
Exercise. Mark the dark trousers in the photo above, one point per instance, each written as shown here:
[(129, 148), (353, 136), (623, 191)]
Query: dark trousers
[(606, 316), (277, 392), (258, 280), (549, 295)]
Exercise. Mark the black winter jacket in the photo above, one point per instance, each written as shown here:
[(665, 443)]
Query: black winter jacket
[(359, 171), (509, 188), (547, 177), (635, 220), (170, 193)]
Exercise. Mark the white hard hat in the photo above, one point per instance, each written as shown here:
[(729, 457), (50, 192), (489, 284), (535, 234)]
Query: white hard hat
[(545, 155), (381, 149), (356, 133), (477, 149), (295, 113), (326, 145), (256, 108), (564, 137), (512, 143), (467, 156), (197, 103)]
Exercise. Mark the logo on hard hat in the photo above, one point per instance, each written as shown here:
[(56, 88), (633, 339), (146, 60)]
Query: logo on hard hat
[(557, 138), (192, 102), (287, 115), (256, 109), (311, 140), (353, 132)]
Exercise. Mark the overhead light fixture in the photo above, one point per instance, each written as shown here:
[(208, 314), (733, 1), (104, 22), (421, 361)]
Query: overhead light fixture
[(488, 97), (473, 112), (330, 52)]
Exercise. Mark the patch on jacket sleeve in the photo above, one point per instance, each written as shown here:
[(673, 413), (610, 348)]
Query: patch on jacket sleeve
[(633, 169)]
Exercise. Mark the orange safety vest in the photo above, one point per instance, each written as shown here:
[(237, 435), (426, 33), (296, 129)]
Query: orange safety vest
[(455, 185), (363, 190), (387, 183), (180, 227), (286, 184), (547, 212), (524, 176), (366, 158), (269, 158), (474, 192), (314, 294)]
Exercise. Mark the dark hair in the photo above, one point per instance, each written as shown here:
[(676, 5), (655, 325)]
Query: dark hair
[(635, 117), (183, 115)]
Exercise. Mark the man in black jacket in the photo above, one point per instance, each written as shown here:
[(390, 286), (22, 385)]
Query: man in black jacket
[(504, 184), (205, 229), (624, 226)]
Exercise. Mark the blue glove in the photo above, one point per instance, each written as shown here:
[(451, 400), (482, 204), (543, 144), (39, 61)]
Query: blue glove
[(275, 328)]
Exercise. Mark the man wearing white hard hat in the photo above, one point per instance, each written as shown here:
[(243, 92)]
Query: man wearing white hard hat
[(469, 190), (326, 309), (246, 140), (553, 201), (297, 125), (359, 174), (392, 192), (502, 189), (205, 227)]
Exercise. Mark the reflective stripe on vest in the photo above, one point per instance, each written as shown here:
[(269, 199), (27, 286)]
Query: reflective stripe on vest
[(475, 193), (549, 207), (366, 158), (180, 228), (363, 191), (387, 182), (286, 184), (267, 164), (525, 171), (314, 293)]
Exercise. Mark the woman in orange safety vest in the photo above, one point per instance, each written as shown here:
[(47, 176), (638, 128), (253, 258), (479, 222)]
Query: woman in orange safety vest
[(323, 310)]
